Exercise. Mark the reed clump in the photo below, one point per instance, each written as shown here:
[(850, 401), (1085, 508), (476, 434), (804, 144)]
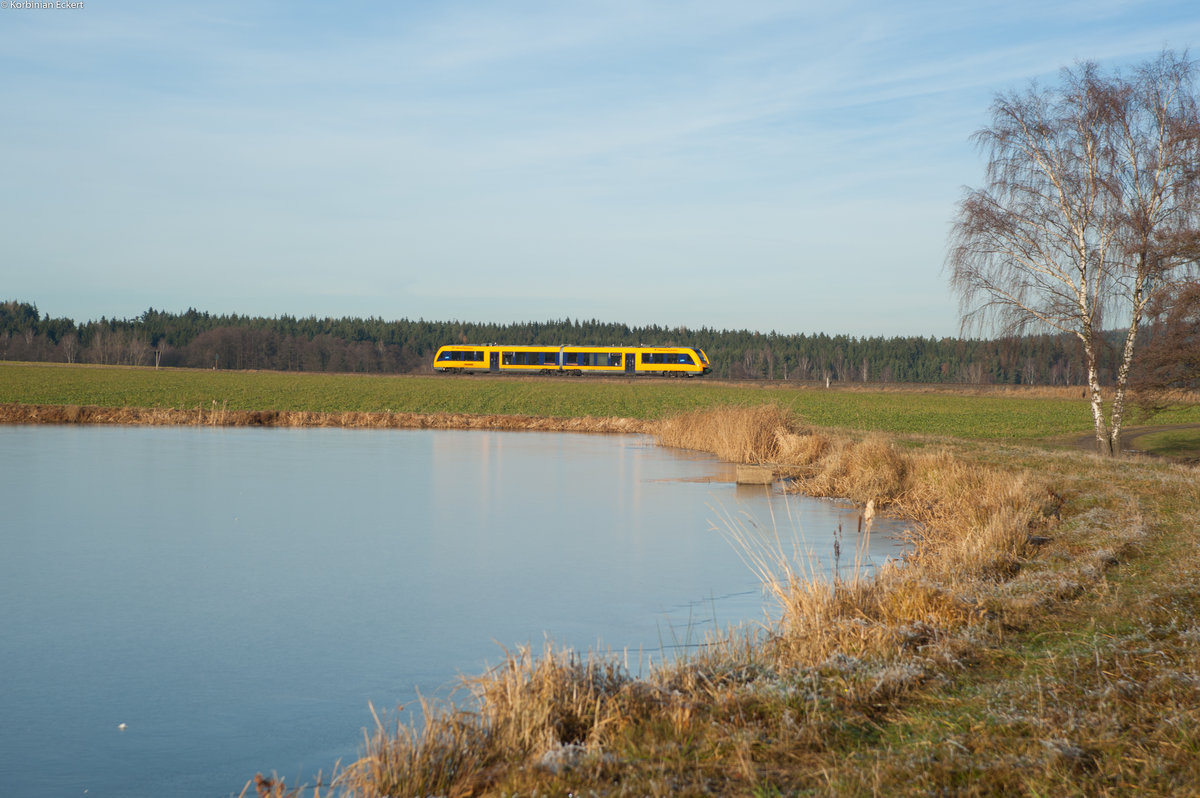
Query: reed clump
[(552, 712), (534, 703), (736, 434), (442, 756), (859, 470), (971, 522)]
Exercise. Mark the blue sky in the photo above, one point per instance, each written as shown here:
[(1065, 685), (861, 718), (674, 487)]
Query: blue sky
[(788, 166)]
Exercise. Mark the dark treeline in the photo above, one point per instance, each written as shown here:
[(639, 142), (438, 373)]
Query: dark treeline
[(196, 339)]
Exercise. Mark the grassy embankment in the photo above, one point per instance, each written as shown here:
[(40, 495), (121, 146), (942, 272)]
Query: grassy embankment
[(115, 395), (1041, 641)]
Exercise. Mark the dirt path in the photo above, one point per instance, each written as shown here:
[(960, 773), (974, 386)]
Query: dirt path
[(1130, 434)]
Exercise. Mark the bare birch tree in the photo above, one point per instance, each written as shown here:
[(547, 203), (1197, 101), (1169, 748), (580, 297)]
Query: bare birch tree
[(1090, 187)]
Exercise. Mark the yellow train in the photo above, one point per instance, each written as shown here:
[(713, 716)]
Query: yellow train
[(665, 361)]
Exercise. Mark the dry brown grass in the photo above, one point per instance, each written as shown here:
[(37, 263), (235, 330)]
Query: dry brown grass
[(552, 712), (849, 689), (972, 522), (218, 415), (759, 434), (867, 641), (444, 755), (535, 703)]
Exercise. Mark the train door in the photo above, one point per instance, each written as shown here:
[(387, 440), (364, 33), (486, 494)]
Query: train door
[(494, 360), (629, 362)]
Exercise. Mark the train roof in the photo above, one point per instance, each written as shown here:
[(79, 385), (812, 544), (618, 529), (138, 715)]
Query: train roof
[(556, 347)]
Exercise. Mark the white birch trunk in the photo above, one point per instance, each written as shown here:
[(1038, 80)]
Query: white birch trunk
[(1118, 407), (1103, 442)]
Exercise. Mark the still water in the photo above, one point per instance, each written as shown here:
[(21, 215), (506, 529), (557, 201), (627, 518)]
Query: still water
[(182, 607)]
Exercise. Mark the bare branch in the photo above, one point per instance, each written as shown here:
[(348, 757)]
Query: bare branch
[(1090, 210)]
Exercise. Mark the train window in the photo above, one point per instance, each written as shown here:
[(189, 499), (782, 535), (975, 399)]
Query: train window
[(444, 355)]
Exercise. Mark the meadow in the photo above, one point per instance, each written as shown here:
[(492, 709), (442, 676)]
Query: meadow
[(896, 410)]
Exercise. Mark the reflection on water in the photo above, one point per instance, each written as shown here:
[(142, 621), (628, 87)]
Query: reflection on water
[(236, 597)]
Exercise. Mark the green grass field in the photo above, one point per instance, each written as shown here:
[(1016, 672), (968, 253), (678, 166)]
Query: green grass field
[(893, 411), (1171, 443)]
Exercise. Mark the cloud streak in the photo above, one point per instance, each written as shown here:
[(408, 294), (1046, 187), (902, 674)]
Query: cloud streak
[(466, 159)]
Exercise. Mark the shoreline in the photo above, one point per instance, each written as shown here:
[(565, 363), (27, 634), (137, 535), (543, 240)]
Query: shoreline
[(218, 416), (1037, 574)]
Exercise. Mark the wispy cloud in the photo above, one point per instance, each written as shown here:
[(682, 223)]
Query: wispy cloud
[(368, 151)]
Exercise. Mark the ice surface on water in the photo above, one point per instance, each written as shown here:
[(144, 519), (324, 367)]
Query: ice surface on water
[(185, 607)]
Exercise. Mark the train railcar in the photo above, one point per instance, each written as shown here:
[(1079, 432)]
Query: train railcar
[(665, 361)]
